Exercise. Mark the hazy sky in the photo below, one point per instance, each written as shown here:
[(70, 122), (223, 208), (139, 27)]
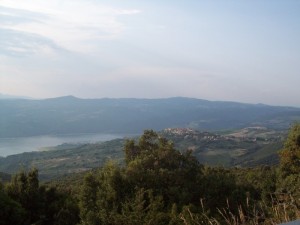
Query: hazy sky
[(247, 51)]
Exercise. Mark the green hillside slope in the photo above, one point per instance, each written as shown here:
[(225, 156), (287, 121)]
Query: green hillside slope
[(246, 147)]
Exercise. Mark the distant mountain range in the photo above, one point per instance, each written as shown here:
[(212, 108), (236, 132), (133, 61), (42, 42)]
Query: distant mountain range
[(71, 115)]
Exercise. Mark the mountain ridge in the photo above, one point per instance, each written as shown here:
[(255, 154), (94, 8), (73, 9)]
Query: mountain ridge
[(69, 114)]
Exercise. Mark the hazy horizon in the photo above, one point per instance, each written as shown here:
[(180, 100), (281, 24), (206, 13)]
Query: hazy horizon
[(5, 96), (215, 50)]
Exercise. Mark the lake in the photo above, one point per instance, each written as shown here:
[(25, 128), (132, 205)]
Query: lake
[(11, 146)]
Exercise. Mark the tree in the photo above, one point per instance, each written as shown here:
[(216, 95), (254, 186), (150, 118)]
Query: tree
[(24, 188), (153, 163), (32, 204), (11, 211), (102, 195), (58, 207), (290, 155), (143, 208), (88, 198), (289, 181)]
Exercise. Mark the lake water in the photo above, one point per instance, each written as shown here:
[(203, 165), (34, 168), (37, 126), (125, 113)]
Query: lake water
[(11, 146)]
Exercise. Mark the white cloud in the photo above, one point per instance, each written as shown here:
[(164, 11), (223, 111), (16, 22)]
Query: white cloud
[(74, 25)]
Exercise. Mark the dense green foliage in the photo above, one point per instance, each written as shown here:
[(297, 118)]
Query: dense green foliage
[(5, 177), (161, 186), (23, 201), (290, 155), (290, 165)]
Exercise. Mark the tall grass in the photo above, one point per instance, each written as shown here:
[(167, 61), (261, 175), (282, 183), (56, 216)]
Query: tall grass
[(282, 209)]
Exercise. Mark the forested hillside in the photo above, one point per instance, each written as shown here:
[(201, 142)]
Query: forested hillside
[(160, 185), (69, 115), (243, 148)]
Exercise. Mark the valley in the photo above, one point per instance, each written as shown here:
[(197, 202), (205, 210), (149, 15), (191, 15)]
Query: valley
[(218, 152), (247, 147)]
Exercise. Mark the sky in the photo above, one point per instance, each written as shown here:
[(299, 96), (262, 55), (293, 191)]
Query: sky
[(233, 50)]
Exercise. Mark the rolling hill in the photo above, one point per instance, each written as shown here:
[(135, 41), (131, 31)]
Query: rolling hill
[(243, 148)]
